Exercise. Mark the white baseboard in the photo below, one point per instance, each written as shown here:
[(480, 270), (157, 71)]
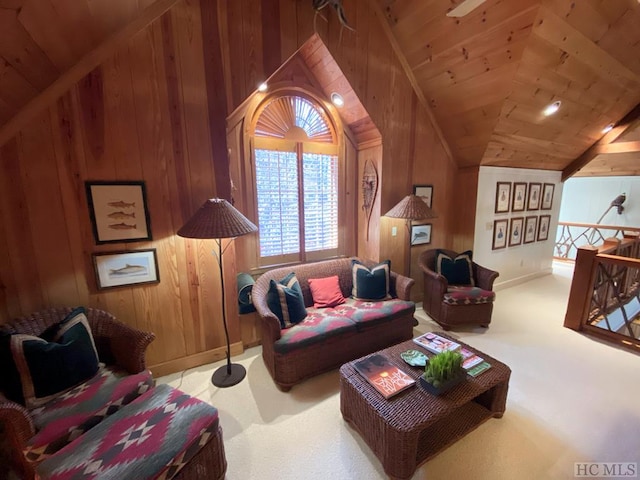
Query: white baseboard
[(525, 278)]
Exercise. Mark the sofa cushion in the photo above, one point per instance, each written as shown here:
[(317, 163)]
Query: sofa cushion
[(468, 296), (458, 270), (150, 438), (366, 314), (326, 292), (68, 416), (286, 301), (317, 327), (370, 284), (50, 366)]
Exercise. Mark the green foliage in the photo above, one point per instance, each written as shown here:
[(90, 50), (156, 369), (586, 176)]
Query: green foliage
[(442, 367)]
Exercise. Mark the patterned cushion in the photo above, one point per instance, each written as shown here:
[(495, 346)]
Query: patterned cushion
[(285, 300), (62, 358), (371, 284), (142, 440), (70, 415), (367, 313), (457, 271), (316, 328), (468, 296)]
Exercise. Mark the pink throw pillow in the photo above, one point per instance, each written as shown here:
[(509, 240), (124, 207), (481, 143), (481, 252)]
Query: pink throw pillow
[(326, 292)]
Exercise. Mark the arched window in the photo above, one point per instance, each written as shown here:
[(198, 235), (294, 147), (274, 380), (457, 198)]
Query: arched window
[(296, 178)]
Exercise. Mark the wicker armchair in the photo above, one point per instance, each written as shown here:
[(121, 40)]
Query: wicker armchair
[(456, 306), (116, 343)]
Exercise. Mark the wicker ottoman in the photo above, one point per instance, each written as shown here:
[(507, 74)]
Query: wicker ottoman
[(163, 434), (413, 426)]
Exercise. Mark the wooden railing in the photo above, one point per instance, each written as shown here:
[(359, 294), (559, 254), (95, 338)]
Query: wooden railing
[(604, 300), (571, 236)]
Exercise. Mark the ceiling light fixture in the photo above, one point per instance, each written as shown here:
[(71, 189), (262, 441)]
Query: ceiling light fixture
[(337, 99), (553, 108), (609, 127), (263, 87)]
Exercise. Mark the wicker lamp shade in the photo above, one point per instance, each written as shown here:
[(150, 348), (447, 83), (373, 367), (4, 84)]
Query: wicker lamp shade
[(217, 218), (411, 207)]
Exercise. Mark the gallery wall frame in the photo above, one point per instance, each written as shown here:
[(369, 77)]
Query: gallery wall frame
[(503, 197), (126, 268), (519, 201), (425, 192), (420, 234), (500, 228), (535, 192), (515, 231), (547, 196), (543, 227), (118, 211), (530, 229)]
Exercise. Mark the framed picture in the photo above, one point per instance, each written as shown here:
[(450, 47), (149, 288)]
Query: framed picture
[(132, 267), (499, 234), (547, 196), (530, 229), (420, 234), (425, 192), (519, 197), (543, 228), (118, 211), (533, 202), (503, 197), (515, 231)]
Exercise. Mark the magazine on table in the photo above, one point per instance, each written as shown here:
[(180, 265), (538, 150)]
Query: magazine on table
[(479, 368), (469, 358), (383, 375), (435, 343)]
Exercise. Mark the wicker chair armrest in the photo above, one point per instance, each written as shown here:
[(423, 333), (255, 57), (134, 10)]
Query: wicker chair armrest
[(401, 286), (118, 342), (433, 281), (17, 420), (484, 276), (270, 322)]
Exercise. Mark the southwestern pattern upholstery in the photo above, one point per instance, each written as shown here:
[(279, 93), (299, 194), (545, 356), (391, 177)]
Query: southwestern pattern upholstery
[(451, 305), (329, 337), (153, 437)]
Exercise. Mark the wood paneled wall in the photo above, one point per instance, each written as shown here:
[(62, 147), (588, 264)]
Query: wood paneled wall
[(156, 111)]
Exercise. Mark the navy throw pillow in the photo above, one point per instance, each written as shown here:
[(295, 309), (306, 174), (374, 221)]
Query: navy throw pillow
[(47, 368), (371, 284), (285, 300), (458, 270)]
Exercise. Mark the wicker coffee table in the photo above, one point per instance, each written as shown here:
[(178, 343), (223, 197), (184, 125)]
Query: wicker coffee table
[(413, 426)]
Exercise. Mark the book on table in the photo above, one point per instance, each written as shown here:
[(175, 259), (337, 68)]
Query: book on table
[(469, 358), (383, 375), (435, 343), (479, 368)]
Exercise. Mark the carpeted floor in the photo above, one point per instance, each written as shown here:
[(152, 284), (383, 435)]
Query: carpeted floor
[(571, 399)]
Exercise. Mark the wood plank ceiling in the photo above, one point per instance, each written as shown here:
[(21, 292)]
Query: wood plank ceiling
[(485, 77)]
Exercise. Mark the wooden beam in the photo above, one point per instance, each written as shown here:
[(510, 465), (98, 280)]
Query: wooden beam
[(85, 65), (412, 78), (622, 147), (630, 121)]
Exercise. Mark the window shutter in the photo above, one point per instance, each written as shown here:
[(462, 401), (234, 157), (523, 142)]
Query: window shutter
[(320, 186)]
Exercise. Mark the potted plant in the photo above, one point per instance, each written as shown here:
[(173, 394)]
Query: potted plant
[(443, 372)]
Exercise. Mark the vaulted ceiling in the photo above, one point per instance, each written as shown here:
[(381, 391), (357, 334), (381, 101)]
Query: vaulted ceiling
[(485, 77)]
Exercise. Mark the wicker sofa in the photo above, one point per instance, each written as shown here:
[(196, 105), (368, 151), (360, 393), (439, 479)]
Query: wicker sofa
[(363, 327), (39, 440)]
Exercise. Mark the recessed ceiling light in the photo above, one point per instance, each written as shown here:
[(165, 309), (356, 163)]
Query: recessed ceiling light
[(262, 87), (337, 99), (553, 108), (609, 127)]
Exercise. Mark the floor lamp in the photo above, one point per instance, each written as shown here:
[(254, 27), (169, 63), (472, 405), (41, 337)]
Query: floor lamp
[(411, 208), (218, 219)]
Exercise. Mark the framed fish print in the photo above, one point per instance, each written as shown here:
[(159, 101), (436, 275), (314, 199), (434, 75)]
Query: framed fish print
[(420, 234), (132, 267), (118, 211)]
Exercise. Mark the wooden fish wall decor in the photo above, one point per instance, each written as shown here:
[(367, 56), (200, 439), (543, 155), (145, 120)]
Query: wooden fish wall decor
[(369, 190)]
